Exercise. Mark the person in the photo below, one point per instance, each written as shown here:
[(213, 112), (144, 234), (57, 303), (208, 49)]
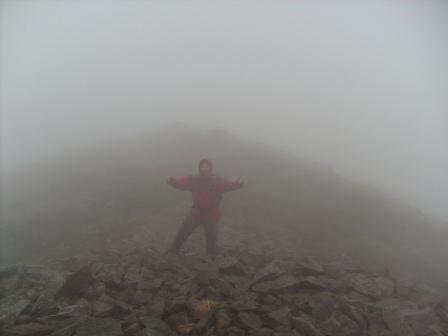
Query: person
[(206, 190)]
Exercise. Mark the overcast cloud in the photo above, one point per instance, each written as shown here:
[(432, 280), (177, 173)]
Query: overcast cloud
[(361, 86)]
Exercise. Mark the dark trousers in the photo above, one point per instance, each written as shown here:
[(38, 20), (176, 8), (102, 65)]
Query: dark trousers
[(186, 229)]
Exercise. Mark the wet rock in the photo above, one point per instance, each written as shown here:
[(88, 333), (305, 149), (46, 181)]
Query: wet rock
[(8, 284), (375, 323), (283, 284), (309, 266), (149, 332), (100, 327), (396, 323), (223, 319), (156, 307), (176, 305), (150, 285), (42, 305), (322, 306), (261, 332), (132, 328), (272, 271), (77, 284), (119, 309), (269, 299), (404, 286), (235, 331), (279, 317), (204, 323), (11, 307), (374, 287), (333, 270), (249, 320), (420, 320), (142, 297), (132, 276), (67, 330), (304, 326), (319, 283), (155, 324), (9, 271), (169, 265), (247, 301), (95, 290), (110, 274), (103, 307), (423, 316), (207, 274), (181, 323), (340, 325), (201, 308), (233, 266), (30, 329)]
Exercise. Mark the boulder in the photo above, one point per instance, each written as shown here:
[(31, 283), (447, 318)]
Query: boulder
[(77, 284)]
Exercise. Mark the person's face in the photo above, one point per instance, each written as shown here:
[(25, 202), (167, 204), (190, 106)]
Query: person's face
[(204, 168)]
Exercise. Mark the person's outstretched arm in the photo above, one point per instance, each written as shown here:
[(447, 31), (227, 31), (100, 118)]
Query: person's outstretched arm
[(225, 185), (181, 183)]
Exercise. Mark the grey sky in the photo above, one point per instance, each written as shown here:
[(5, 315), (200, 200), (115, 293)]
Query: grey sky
[(361, 86)]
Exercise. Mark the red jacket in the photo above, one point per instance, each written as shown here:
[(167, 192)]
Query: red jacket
[(206, 191)]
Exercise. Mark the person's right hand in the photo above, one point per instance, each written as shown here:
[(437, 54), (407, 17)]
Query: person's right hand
[(169, 179)]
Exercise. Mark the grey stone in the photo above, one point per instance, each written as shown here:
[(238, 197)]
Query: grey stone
[(30, 329), (283, 284), (249, 320), (374, 287), (100, 327), (304, 326), (277, 317), (77, 284)]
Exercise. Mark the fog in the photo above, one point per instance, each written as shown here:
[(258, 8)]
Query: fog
[(360, 86)]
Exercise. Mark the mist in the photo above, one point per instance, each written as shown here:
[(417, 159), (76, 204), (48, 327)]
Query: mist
[(359, 86)]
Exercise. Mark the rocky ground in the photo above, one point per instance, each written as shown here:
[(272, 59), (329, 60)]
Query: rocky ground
[(143, 292)]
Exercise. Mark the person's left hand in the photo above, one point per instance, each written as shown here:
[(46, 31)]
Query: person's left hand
[(240, 181)]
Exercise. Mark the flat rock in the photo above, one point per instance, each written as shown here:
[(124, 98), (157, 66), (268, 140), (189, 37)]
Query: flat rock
[(154, 323), (249, 320), (309, 266), (100, 327), (304, 326), (223, 319), (30, 329), (271, 271), (374, 287), (283, 284), (277, 317), (233, 266)]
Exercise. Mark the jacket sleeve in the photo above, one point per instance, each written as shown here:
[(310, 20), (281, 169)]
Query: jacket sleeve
[(181, 183), (224, 185)]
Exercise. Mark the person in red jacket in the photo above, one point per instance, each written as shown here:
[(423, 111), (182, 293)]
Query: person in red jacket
[(206, 190)]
